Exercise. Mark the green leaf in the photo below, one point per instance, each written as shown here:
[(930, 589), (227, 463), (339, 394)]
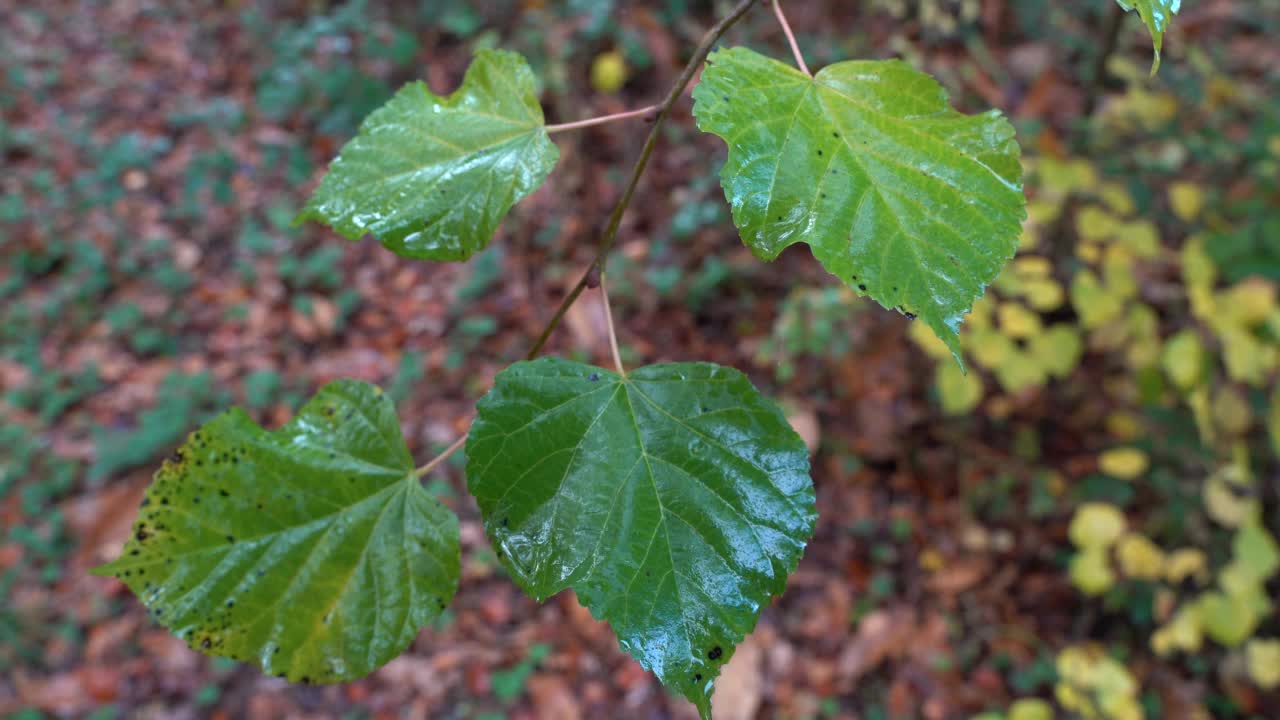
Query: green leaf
[(897, 194), (1156, 14), (1228, 619), (674, 500), (432, 177), (312, 551), (1254, 547)]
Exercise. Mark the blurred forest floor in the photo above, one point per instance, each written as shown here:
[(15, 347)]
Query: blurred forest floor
[(154, 155)]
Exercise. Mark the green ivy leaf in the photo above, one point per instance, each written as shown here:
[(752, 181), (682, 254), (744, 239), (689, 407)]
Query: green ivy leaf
[(312, 551), (898, 195), (432, 177), (674, 500), (1156, 15)]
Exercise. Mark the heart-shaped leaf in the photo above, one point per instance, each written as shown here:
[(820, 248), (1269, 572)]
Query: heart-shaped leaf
[(674, 500), (312, 551), (1156, 15), (432, 177), (898, 195)]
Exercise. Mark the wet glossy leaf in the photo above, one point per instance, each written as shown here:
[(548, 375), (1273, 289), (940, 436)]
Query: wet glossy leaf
[(1156, 15), (674, 501), (312, 551), (898, 195), (432, 177)]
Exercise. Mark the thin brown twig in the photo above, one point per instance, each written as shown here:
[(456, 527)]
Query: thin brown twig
[(610, 235), (552, 129), (613, 335), (791, 38), (615, 219), (422, 471)]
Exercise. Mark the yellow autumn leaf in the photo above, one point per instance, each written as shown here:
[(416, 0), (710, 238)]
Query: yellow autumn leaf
[(1117, 198), (1161, 642), (931, 560), (1231, 411), (1041, 212), (609, 72), (989, 348), (1117, 272), (1150, 110), (1228, 496), (1072, 699), (1018, 322), (1186, 563), (958, 392), (1198, 269), (1075, 665), (1094, 223), (1198, 401), (1262, 657), (1124, 425), (1249, 302), (1092, 302), (1089, 252), (1204, 303), (1061, 177), (1091, 572), (1019, 371), (979, 318), (1247, 358), (1140, 237), (1186, 199), (1121, 707), (1183, 632), (1183, 359), (1113, 679), (1096, 525), (1057, 350), (1029, 238), (1139, 557), (1032, 266), (1125, 463), (1043, 294), (1009, 283), (1030, 709)]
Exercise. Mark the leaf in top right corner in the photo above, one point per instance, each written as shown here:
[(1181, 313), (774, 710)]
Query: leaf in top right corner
[(897, 194), (1156, 15)]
